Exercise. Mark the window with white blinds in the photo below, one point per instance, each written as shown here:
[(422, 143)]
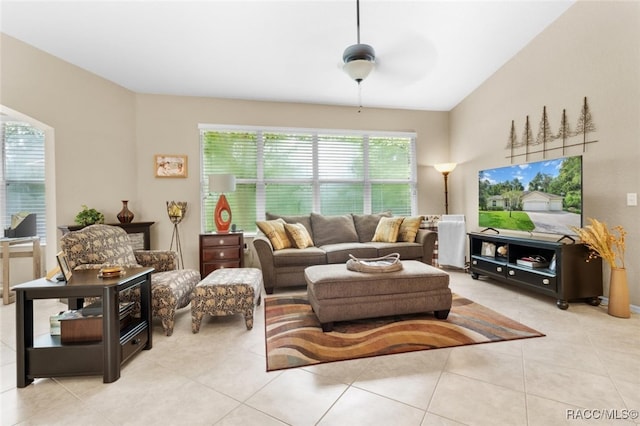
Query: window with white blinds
[(22, 174), (298, 171)]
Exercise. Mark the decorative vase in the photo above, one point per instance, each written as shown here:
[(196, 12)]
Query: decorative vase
[(619, 294), (125, 215), (222, 215)]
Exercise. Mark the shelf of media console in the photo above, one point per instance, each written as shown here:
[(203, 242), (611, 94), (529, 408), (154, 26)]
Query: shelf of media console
[(510, 265)]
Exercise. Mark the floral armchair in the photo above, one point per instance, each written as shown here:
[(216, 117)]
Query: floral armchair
[(102, 245)]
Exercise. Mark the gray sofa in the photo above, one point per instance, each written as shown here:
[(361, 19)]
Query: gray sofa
[(335, 238)]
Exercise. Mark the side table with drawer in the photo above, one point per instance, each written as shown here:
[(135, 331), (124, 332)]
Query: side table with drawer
[(221, 250)]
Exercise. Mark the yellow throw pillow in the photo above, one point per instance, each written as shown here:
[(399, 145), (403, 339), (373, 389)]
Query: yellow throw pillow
[(387, 230), (274, 230), (409, 229), (299, 235)]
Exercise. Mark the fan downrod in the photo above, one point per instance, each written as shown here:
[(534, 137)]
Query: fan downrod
[(358, 58)]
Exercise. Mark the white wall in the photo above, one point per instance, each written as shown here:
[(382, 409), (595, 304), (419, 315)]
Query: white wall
[(169, 124), (106, 137), (93, 122), (592, 50)]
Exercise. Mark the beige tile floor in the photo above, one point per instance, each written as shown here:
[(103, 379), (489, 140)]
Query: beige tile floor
[(588, 362)]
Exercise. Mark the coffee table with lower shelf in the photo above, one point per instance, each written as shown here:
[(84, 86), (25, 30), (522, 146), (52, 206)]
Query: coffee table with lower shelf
[(47, 356)]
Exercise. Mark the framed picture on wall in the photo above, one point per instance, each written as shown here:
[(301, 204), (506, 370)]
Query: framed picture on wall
[(170, 165)]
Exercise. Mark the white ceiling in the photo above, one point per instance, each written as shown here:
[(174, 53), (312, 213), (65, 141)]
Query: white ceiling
[(430, 54)]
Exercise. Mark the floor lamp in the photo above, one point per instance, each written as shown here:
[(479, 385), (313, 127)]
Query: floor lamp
[(222, 183), (176, 211), (445, 169)]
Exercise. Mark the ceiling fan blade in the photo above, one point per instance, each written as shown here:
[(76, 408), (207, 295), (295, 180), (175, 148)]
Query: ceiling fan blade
[(407, 61)]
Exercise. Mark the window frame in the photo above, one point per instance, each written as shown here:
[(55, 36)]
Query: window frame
[(315, 181), (6, 180)]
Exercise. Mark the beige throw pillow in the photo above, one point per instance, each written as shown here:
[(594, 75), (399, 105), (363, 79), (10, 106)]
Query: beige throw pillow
[(387, 230), (299, 235), (409, 229), (274, 230)]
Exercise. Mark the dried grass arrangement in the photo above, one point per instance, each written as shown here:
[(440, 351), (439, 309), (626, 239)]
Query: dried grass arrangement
[(603, 242)]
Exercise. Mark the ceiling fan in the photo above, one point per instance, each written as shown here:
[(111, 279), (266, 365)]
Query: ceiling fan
[(359, 59), (405, 61)]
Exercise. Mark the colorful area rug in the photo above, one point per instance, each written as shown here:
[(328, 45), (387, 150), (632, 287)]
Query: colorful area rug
[(294, 337)]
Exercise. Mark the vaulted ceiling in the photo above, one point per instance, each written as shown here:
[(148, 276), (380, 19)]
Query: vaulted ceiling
[(429, 54)]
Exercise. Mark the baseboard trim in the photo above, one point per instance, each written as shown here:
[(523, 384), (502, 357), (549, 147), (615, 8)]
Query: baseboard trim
[(635, 309)]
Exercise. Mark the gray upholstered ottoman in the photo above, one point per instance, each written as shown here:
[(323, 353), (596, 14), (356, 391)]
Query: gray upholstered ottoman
[(226, 291), (338, 294)]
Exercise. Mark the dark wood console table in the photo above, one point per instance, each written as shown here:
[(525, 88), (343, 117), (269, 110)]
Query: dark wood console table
[(139, 232), (47, 356), (568, 276)]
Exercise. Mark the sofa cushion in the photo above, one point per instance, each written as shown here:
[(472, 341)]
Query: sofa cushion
[(405, 250), (296, 257), (387, 230), (333, 229), (298, 235), (274, 230), (409, 229), (303, 219), (366, 225), (339, 253)]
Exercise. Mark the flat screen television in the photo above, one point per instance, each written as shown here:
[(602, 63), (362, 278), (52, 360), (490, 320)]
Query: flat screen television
[(542, 196)]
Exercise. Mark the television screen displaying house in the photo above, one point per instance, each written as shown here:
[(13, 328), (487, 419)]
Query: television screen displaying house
[(542, 196)]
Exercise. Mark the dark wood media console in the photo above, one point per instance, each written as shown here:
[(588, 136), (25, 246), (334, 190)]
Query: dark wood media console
[(568, 277)]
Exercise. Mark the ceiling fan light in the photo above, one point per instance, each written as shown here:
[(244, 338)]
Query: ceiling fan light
[(358, 69), (359, 51)]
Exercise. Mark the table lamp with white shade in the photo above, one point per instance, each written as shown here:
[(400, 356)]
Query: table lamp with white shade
[(221, 183)]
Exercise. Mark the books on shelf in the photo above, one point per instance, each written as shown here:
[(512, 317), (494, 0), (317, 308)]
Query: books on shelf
[(533, 262)]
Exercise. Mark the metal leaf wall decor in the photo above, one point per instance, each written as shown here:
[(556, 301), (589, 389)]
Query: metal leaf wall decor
[(546, 140)]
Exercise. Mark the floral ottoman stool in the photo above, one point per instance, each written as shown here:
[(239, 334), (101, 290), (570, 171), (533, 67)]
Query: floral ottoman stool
[(227, 291)]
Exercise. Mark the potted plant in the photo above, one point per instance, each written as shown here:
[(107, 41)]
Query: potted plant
[(88, 216), (609, 244)]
